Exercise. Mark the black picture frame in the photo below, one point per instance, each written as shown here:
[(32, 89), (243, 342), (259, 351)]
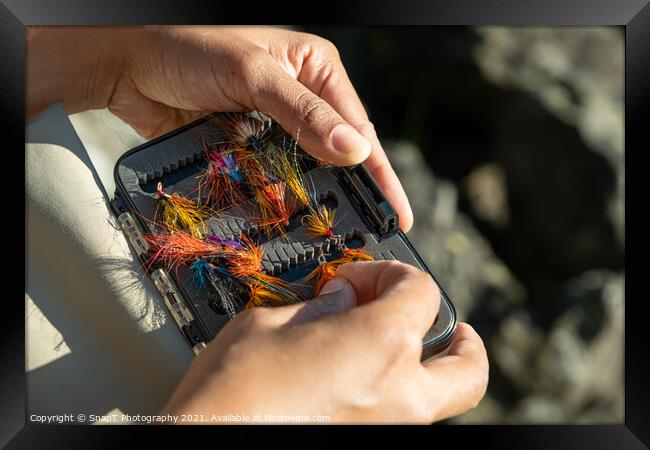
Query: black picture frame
[(633, 15)]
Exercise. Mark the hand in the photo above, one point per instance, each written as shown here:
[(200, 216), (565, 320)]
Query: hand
[(158, 78), (352, 354)]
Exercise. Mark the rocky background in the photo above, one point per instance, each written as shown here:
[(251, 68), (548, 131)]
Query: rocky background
[(509, 143)]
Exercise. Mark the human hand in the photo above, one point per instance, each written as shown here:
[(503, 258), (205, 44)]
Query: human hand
[(352, 354), (159, 78)]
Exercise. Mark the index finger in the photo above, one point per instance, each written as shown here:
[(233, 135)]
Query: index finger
[(337, 90)]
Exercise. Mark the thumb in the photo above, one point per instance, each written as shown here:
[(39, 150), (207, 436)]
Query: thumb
[(322, 131), (336, 296)]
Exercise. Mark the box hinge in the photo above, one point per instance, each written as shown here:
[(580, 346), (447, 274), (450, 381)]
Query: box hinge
[(179, 311), (134, 234)]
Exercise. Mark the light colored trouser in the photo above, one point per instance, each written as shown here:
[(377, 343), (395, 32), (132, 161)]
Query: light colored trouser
[(99, 339)]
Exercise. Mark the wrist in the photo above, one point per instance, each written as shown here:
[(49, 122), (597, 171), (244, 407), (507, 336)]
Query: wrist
[(77, 65)]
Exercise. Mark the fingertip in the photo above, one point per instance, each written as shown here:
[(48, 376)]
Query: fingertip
[(379, 167), (406, 218)]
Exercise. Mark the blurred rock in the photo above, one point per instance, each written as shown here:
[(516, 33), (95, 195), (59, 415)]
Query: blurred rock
[(576, 74), (487, 194), (559, 357), (576, 375), (569, 370), (460, 258)]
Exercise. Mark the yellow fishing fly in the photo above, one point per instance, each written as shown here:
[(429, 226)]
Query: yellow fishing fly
[(179, 213)]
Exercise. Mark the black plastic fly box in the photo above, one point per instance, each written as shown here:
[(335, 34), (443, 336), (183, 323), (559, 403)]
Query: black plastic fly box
[(365, 220)]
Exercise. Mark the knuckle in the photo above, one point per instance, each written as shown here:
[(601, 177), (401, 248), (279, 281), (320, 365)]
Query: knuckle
[(250, 62), (367, 128), (398, 336), (323, 45), (407, 339), (329, 47), (254, 318), (311, 109), (402, 336)]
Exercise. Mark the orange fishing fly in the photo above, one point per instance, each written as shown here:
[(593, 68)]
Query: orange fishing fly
[(327, 270), (271, 291), (180, 248), (265, 290)]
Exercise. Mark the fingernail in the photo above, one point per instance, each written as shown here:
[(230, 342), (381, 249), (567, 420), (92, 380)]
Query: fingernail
[(348, 140), (332, 286)]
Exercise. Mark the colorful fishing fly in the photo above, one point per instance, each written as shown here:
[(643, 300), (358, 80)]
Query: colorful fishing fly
[(246, 260), (223, 177), (223, 296), (243, 130), (177, 248), (245, 161), (180, 213), (245, 168), (275, 207), (319, 220), (326, 270), (245, 264), (271, 291)]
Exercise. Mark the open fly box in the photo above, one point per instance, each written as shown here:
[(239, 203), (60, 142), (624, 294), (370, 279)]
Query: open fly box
[(178, 161)]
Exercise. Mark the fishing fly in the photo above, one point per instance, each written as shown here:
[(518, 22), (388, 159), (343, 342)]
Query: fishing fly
[(223, 177), (180, 213), (326, 270), (245, 168)]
